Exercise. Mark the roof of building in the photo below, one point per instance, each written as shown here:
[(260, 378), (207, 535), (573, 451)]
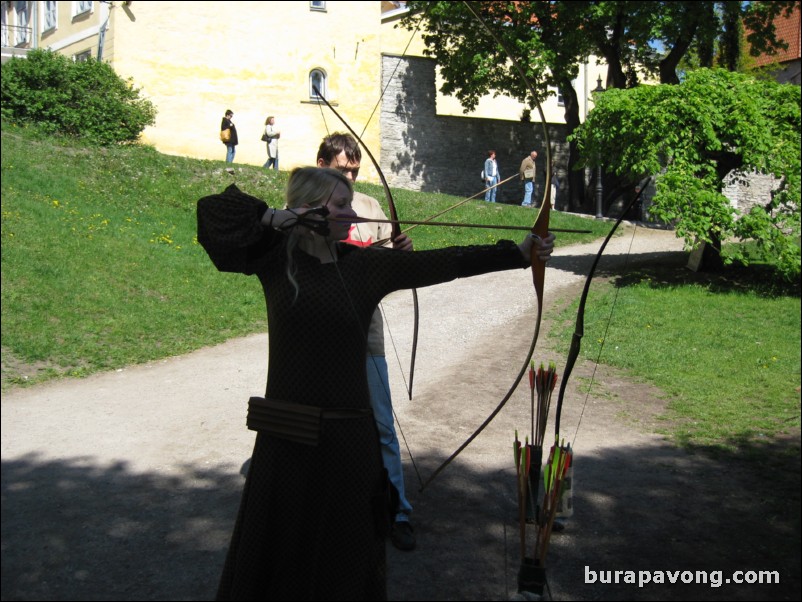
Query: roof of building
[(787, 30)]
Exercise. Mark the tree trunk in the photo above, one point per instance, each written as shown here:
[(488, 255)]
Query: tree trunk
[(707, 257), (576, 181), (668, 66), (610, 50)]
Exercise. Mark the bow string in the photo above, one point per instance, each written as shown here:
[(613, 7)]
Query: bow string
[(579, 327), (396, 230)]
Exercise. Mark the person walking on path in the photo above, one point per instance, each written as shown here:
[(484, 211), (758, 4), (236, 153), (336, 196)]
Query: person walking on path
[(271, 136), (492, 176), (232, 140), (527, 173)]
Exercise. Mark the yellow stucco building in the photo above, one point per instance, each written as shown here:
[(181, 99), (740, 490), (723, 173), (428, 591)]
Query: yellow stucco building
[(195, 60)]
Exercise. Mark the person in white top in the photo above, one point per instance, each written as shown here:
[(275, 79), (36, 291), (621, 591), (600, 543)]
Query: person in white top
[(271, 137)]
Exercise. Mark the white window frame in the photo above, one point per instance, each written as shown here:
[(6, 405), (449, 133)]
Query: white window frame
[(317, 5), (49, 15), (81, 7), (22, 18), (5, 29), (323, 78), (84, 55), (560, 97)]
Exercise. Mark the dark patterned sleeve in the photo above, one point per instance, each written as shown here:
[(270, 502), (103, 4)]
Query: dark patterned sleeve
[(475, 260), (417, 269), (230, 230)]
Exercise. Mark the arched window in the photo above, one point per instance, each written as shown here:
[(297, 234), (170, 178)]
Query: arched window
[(317, 79)]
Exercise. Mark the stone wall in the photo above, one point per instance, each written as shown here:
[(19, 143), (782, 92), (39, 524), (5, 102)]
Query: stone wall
[(747, 190), (423, 151), (743, 190)]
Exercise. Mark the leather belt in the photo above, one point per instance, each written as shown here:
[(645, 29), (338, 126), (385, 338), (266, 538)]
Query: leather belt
[(294, 421)]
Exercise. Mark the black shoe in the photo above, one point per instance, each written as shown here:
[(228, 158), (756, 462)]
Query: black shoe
[(403, 535)]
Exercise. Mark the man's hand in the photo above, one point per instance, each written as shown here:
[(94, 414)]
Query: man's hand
[(402, 242)]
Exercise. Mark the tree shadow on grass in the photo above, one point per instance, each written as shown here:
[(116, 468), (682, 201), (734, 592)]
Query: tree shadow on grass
[(666, 269)]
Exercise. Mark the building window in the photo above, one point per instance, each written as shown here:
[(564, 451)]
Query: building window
[(82, 56), (560, 97), (22, 31), (81, 7), (317, 80), (317, 5), (50, 15)]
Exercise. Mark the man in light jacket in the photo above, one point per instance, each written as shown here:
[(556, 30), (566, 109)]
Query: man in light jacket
[(527, 173)]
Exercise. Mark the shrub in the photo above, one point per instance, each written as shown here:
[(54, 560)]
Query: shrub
[(84, 99)]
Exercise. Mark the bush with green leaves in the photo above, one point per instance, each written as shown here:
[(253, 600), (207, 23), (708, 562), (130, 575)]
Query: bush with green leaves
[(85, 99), (692, 135)]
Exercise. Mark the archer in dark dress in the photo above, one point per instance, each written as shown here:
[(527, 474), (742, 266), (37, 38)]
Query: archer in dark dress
[(313, 516)]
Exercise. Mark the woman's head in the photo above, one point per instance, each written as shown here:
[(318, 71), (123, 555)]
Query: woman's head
[(270, 120), (316, 186), (313, 186)]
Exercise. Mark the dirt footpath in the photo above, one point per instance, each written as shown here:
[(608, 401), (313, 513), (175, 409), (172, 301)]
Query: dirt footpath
[(125, 485)]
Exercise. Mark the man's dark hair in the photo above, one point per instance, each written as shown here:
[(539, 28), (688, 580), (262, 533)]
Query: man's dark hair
[(335, 143), (229, 112)]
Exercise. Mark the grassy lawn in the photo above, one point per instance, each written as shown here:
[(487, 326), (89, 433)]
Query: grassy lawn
[(724, 348)]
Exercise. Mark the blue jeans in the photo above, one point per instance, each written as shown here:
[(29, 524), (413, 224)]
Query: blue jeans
[(379, 385), (231, 150), (490, 195), (529, 186), (271, 161)]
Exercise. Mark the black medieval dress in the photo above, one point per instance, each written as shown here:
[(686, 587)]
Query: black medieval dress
[(307, 527)]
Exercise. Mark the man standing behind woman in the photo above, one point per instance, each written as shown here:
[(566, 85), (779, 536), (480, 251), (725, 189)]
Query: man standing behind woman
[(341, 152), (231, 143), (527, 173), (491, 176), (271, 138)]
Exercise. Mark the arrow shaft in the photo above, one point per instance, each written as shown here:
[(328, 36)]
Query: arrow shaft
[(452, 224)]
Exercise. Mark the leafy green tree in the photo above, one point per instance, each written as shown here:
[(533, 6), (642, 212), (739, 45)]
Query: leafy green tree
[(693, 134), (84, 99), (473, 64), (551, 40)]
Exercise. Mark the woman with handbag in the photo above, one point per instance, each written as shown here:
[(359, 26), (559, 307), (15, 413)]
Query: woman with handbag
[(271, 137), (228, 136)]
